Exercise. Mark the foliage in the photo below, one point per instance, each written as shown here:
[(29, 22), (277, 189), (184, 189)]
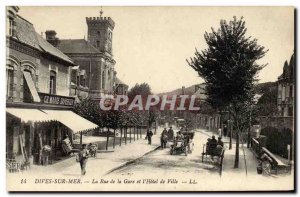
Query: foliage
[(267, 103), (229, 67), (277, 140)]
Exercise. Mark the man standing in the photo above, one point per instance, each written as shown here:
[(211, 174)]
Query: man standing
[(149, 135), (163, 138), (225, 130), (83, 157), (170, 134)]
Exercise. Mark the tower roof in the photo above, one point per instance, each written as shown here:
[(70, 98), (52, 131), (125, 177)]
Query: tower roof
[(104, 20)]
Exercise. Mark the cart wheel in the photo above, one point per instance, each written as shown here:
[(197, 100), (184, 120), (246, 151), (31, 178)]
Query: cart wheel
[(266, 166)]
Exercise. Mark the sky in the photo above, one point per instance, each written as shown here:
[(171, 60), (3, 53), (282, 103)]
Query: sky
[(151, 44)]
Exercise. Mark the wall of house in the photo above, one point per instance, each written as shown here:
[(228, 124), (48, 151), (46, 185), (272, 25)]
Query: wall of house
[(40, 68)]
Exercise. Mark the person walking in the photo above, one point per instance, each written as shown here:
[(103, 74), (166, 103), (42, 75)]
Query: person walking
[(83, 157), (149, 136)]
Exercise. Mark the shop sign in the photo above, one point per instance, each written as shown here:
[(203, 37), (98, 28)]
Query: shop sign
[(56, 100)]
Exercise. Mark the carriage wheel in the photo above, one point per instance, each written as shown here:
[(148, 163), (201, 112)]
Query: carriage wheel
[(266, 166)]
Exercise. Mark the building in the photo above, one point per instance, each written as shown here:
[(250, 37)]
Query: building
[(286, 88), (38, 102), (94, 57), (120, 88)]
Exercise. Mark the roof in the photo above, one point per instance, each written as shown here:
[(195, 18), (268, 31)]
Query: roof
[(118, 81), (48, 48), (76, 46), (25, 33)]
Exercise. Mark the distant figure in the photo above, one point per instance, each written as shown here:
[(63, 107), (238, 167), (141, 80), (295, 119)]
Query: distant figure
[(93, 150), (149, 136), (220, 132), (170, 134), (220, 142), (83, 157), (225, 130), (164, 138)]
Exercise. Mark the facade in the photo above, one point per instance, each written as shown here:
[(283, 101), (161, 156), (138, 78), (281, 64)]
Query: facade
[(93, 55), (286, 88), (38, 103)]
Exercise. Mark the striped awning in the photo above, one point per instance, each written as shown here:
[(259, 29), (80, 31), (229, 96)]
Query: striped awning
[(73, 121), (26, 115)]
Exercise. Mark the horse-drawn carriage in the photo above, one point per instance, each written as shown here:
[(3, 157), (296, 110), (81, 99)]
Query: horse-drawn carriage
[(213, 149)]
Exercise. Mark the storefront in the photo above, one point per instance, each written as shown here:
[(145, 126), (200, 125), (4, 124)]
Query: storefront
[(33, 129)]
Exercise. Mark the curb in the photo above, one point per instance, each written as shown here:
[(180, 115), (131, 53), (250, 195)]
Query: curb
[(130, 162)]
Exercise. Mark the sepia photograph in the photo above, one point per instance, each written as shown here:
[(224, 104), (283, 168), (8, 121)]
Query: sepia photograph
[(150, 99)]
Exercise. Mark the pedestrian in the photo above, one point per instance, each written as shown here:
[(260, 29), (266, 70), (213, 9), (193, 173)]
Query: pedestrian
[(220, 132), (225, 130), (149, 136), (83, 157), (163, 138), (170, 134)]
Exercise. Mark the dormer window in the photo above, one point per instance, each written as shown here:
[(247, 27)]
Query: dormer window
[(12, 27)]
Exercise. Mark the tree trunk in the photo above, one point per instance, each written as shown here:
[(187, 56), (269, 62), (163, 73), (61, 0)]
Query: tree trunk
[(121, 136), (230, 136), (137, 132), (114, 139), (130, 134), (237, 150), (133, 133), (125, 134), (107, 139), (141, 132)]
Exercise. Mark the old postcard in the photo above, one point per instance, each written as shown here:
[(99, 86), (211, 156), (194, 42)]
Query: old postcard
[(150, 98)]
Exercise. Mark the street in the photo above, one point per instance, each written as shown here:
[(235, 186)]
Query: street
[(161, 163)]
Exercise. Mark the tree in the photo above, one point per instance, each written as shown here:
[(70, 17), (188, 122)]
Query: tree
[(229, 67), (144, 90)]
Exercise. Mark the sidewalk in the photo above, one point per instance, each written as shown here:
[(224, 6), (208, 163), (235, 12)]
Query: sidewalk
[(229, 158), (100, 166)]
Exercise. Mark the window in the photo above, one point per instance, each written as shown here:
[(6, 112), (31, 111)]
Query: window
[(52, 85), (12, 27), (103, 80), (9, 81), (98, 44), (77, 80), (98, 33), (110, 35), (109, 75)]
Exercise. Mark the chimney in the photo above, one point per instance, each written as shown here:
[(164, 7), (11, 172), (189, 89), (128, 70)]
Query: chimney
[(183, 90), (51, 37)]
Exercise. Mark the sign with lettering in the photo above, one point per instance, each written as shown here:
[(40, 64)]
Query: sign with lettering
[(56, 99)]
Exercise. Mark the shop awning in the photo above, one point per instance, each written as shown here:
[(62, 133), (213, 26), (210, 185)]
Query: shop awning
[(73, 121), (27, 115)]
